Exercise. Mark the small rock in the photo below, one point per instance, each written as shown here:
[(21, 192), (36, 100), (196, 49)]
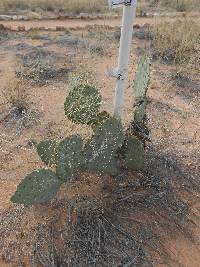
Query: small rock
[(14, 17), (21, 28), (34, 15), (84, 15), (22, 18), (156, 14), (60, 28), (5, 17), (136, 26)]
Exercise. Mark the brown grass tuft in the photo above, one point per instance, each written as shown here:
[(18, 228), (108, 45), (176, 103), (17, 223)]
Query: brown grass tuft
[(177, 42), (75, 6)]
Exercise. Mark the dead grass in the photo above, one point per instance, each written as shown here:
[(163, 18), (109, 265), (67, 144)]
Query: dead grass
[(181, 5), (75, 6), (177, 5), (18, 108), (15, 94), (177, 42), (95, 6)]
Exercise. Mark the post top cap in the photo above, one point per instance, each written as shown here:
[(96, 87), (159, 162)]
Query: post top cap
[(119, 3)]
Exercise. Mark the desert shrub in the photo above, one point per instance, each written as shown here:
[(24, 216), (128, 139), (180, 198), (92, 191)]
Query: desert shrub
[(16, 95), (75, 6), (144, 33), (18, 107), (39, 66), (19, 4), (180, 5), (177, 5), (98, 49), (72, 40), (4, 33), (94, 6), (177, 42)]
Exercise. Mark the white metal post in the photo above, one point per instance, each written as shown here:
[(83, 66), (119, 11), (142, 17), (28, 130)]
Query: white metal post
[(124, 54)]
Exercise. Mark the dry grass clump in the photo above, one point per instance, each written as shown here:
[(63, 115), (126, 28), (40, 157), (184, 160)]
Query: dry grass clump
[(18, 109), (16, 94), (94, 6), (181, 5), (178, 5), (177, 42), (75, 6)]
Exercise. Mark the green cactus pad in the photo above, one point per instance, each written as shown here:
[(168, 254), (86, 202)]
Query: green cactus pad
[(142, 78), (70, 157), (83, 104), (101, 150), (38, 187), (47, 150), (97, 122), (140, 111), (134, 153)]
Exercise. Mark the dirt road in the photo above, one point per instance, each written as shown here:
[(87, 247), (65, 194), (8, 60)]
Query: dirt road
[(77, 23)]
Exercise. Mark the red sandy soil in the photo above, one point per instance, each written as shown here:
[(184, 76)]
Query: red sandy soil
[(18, 157), (77, 23)]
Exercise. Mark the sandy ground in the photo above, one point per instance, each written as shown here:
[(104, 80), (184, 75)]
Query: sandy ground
[(175, 129), (77, 23)]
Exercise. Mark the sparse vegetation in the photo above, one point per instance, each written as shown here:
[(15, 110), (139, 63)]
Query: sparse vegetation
[(4, 33), (172, 5), (180, 5), (177, 42), (16, 95), (39, 66), (94, 6), (104, 193), (75, 6), (18, 107)]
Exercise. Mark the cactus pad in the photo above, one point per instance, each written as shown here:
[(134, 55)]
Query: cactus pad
[(47, 150), (70, 157), (134, 153), (97, 122), (82, 104), (101, 150), (38, 187), (140, 111), (142, 78)]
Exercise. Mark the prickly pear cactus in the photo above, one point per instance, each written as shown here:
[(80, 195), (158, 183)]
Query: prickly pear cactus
[(140, 111), (101, 150), (38, 187), (102, 154), (140, 88), (83, 104), (134, 153), (70, 158), (47, 150), (97, 122), (142, 78)]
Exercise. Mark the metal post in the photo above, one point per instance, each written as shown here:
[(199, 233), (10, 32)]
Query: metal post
[(124, 54)]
